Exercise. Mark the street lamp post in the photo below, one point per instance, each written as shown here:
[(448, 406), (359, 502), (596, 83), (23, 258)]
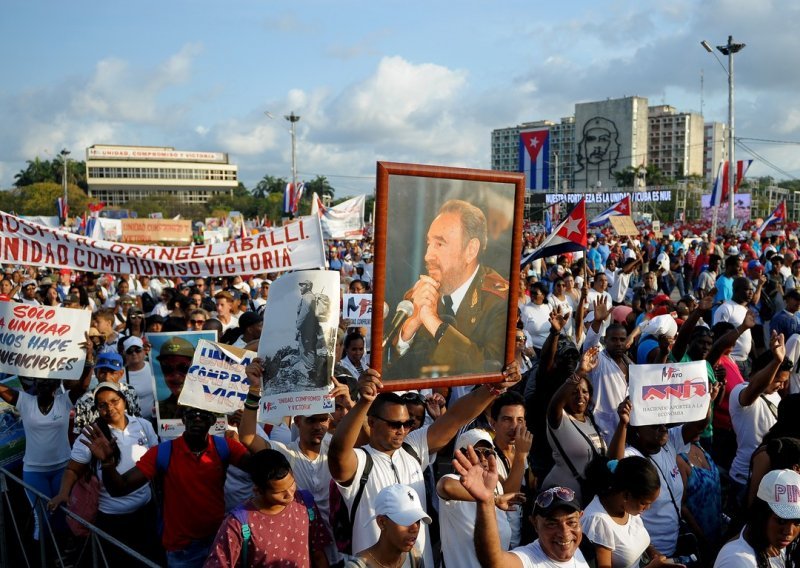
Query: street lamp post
[(728, 49), (64, 153), (293, 118)]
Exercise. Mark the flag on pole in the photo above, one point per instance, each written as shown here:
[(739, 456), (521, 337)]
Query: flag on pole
[(534, 156), (288, 195), (719, 192), (63, 208), (548, 222), (778, 216), (569, 236), (621, 207)]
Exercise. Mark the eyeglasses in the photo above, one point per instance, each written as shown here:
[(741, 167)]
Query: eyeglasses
[(103, 406), (483, 453), (396, 424), (545, 498), (135, 316), (195, 414), (133, 350), (181, 368)]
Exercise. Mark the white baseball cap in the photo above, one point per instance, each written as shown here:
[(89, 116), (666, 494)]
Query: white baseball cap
[(781, 491), (132, 341), (401, 504), (472, 437)]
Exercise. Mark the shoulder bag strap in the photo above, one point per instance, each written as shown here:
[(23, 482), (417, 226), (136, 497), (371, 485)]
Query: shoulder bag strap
[(666, 481), (563, 453), (772, 408), (602, 451)]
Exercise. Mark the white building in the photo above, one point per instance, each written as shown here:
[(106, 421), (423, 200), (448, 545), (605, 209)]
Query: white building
[(118, 174), (676, 141)]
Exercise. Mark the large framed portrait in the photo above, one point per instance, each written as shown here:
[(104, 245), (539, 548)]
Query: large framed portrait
[(447, 249)]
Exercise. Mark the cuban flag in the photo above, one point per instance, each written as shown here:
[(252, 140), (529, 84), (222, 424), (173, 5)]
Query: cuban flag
[(621, 207), (719, 192), (569, 236), (778, 216), (63, 208), (534, 158)]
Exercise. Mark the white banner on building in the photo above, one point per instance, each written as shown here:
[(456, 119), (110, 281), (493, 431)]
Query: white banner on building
[(42, 342), (295, 246), (216, 380), (343, 221), (668, 394)]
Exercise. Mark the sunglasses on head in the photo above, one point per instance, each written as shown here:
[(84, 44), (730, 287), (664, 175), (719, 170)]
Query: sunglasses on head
[(198, 322), (396, 424), (545, 498), (181, 368)]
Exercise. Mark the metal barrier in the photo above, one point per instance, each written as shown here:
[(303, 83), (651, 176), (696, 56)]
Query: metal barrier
[(94, 541)]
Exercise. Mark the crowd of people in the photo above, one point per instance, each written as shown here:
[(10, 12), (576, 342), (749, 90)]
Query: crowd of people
[(541, 469)]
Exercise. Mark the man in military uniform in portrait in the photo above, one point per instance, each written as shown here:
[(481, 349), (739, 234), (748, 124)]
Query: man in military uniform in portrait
[(460, 311), (175, 359), (308, 328)]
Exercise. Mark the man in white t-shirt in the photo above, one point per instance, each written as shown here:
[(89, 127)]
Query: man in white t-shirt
[(397, 455), (556, 517), (753, 407), (733, 312), (457, 508), (139, 375)]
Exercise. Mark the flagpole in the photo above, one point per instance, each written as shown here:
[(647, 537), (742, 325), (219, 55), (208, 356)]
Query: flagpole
[(714, 224)]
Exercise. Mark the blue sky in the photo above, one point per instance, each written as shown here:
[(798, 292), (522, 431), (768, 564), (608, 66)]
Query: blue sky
[(412, 81)]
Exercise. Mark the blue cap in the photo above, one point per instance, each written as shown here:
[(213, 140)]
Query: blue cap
[(112, 361)]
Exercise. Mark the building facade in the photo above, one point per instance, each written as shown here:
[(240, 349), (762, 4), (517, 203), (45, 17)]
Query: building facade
[(676, 144), (715, 148), (119, 174)]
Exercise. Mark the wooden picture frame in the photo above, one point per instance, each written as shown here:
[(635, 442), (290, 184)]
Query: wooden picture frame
[(450, 208)]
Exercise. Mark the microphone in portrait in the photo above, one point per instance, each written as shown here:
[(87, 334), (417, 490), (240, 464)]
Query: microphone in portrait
[(403, 311)]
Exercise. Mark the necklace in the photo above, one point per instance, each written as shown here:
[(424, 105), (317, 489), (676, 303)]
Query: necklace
[(382, 565), (46, 409)]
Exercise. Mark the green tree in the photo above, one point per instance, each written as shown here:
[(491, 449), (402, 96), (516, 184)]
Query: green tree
[(321, 186), (40, 199), (269, 185), (653, 176), (39, 171)]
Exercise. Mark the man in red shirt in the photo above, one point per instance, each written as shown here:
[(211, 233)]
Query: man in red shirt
[(194, 501)]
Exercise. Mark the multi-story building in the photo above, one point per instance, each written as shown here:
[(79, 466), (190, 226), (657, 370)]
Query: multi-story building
[(715, 148), (676, 141), (118, 174)]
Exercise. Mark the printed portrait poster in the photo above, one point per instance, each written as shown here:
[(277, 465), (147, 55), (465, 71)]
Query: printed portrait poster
[(42, 342), (447, 246), (668, 394), (216, 380), (171, 356), (299, 344)]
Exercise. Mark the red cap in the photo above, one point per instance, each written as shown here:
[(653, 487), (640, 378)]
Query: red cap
[(661, 299)]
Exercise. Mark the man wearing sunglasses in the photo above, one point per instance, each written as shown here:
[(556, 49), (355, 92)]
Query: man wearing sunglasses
[(398, 455), (193, 483), (556, 518), (138, 375), (174, 358)]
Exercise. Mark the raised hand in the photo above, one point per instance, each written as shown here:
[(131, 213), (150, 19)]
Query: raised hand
[(436, 405), (94, 439), (511, 376), (749, 319), (254, 373), (523, 439), (777, 346), (624, 411), (600, 308), (479, 483), (557, 319), (589, 360), (368, 385), (707, 301), (509, 501)]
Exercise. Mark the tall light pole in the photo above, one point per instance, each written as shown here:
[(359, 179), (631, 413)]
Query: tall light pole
[(728, 49), (64, 153), (293, 118)]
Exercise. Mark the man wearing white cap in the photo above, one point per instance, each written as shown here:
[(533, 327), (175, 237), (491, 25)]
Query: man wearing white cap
[(399, 514), (773, 525), (457, 507), (138, 375), (27, 292)]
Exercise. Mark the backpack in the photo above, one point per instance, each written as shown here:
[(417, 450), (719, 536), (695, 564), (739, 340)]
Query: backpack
[(322, 307), (163, 457), (341, 519), (240, 514)]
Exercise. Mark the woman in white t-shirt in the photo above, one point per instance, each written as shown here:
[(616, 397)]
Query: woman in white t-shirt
[(611, 522), (536, 315), (560, 298), (129, 518), (45, 420), (769, 539)]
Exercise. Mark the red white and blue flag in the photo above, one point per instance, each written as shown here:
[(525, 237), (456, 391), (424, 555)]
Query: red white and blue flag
[(534, 158), (291, 197), (778, 216), (63, 208), (569, 236), (621, 207), (719, 193)]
